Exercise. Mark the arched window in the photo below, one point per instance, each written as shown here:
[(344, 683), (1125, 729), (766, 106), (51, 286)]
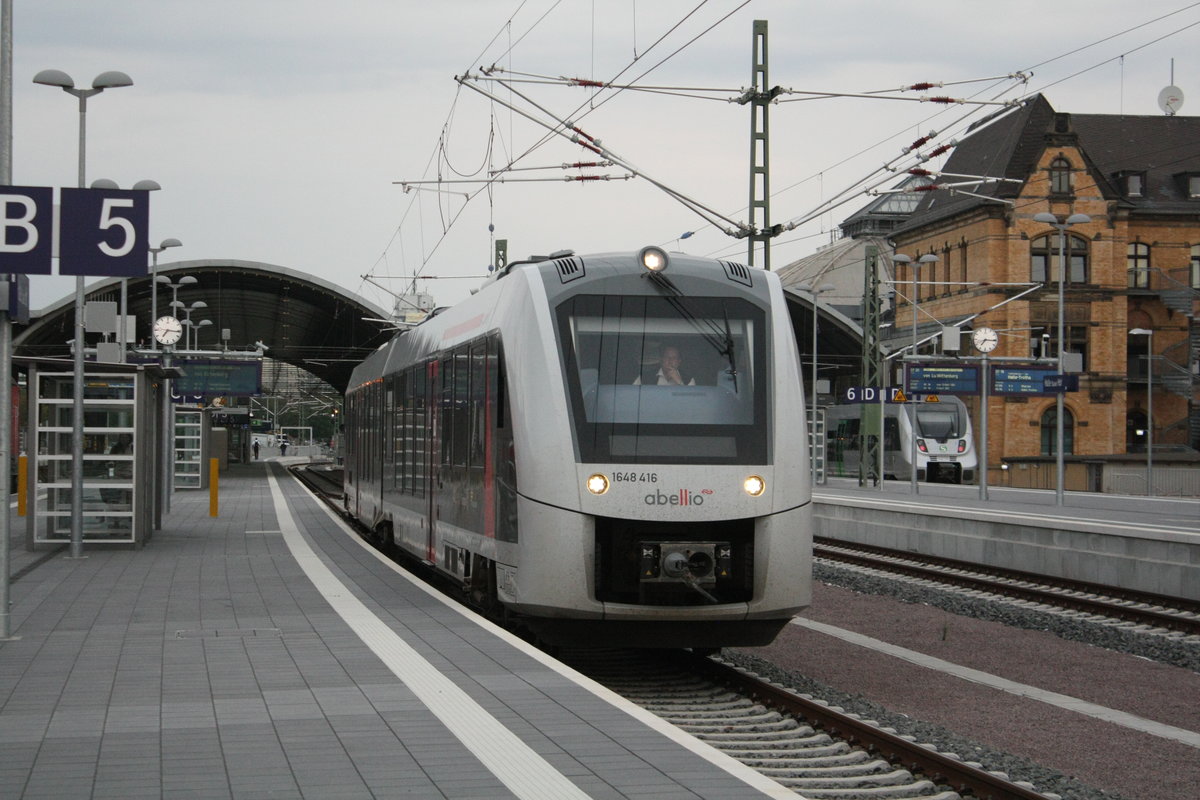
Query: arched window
[(1137, 262), (1060, 176), (1050, 431), (1043, 253), (1196, 266)]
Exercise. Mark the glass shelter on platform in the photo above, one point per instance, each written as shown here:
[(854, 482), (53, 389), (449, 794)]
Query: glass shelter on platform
[(119, 470)]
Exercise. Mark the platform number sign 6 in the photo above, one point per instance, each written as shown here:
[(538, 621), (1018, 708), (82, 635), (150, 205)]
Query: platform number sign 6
[(104, 232)]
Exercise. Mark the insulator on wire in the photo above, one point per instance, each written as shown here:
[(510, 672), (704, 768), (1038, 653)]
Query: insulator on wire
[(917, 143), (921, 87), (919, 171), (943, 149)]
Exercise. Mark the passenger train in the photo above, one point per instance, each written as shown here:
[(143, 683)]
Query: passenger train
[(944, 447), (607, 448)]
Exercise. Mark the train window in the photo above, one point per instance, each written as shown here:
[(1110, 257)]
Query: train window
[(666, 378), (942, 424), (478, 410), (418, 431)]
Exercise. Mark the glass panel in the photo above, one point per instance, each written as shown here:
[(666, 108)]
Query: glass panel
[(669, 379)]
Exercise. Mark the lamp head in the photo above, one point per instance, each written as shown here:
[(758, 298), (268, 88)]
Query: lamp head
[(170, 243), (1046, 217), (111, 80), (54, 77)]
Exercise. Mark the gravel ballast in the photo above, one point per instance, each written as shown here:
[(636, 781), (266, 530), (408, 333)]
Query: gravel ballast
[(1058, 750)]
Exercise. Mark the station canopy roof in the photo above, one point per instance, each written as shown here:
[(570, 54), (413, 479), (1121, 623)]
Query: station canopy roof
[(304, 321)]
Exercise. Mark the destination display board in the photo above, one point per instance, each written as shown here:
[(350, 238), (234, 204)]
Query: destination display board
[(214, 377), (943, 379), (1031, 381)]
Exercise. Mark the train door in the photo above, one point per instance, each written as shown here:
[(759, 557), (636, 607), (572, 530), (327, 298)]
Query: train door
[(433, 384)]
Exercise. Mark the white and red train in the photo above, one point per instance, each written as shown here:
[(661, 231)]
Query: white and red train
[(611, 448)]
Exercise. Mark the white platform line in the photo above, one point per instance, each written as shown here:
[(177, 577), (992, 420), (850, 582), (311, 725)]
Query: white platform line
[(729, 764), (518, 767), (1012, 687)]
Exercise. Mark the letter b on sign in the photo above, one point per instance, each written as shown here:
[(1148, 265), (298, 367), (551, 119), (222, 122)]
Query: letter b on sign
[(26, 229)]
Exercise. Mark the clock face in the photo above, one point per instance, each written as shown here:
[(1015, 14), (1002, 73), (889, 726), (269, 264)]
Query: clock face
[(985, 339), (167, 330)]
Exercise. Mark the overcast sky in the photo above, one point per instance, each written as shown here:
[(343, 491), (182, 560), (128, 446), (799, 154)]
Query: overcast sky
[(277, 128)]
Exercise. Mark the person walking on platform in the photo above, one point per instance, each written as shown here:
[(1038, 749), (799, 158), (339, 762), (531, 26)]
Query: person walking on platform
[(254, 447), (282, 449)]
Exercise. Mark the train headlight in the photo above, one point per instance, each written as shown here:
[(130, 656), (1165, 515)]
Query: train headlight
[(653, 259), (597, 484), (754, 486)]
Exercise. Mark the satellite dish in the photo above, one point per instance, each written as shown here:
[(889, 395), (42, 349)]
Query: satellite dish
[(1170, 100)]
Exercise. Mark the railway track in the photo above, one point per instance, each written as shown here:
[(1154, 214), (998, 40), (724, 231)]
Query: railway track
[(813, 748), (805, 744), (1158, 613)]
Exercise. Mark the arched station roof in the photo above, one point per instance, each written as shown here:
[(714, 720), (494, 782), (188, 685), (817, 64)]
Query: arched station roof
[(305, 321), (839, 338), (320, 327)]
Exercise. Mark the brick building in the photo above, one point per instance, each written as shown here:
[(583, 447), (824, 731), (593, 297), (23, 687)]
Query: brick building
[(1134, 266)]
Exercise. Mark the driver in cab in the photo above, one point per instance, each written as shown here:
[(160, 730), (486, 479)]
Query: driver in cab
[(669, 373)]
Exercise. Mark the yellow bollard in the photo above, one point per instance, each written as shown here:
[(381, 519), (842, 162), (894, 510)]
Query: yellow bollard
[(22, 483), (213, 494)]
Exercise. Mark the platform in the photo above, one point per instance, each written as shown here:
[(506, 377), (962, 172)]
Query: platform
[(267, 652)]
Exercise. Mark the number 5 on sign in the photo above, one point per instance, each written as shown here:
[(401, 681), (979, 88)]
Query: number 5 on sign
[(104, 232)]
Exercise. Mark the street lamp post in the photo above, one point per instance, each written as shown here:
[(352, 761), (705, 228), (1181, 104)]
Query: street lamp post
[(1149, 334), (105, 80), (1050, 219), (187, 317), (815, 292), (154, 251), (900, 258)]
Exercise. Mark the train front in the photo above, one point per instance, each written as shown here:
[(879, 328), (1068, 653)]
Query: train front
[(685, 519)]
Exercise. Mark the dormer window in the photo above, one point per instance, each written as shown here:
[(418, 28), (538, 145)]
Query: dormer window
[(1060, 176), (1132, 183), (1193, 185)]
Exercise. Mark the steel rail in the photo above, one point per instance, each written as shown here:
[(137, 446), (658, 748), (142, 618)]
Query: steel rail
[(1109, 602)]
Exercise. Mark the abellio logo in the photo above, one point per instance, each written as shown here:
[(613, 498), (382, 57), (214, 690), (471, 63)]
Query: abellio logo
[(684, 497)]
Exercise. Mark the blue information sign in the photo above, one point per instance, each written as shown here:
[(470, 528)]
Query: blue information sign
[(104, 232), (216, 378), (1031, 381), (943, 378), (26, 229)]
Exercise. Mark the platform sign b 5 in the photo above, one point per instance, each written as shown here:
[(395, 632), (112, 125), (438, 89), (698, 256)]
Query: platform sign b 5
[(104, 232), (26, 229)]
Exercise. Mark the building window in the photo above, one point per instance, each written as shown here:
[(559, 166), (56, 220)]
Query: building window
[(1133, 184), (1195, 266), (1060, 176), (1193, 183), (962, 267), (1050, 432), (1077, 341), (1137, 262), (1043, 252)]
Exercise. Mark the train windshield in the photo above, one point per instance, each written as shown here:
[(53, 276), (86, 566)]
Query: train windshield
[(942, 424), (666, 379)]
